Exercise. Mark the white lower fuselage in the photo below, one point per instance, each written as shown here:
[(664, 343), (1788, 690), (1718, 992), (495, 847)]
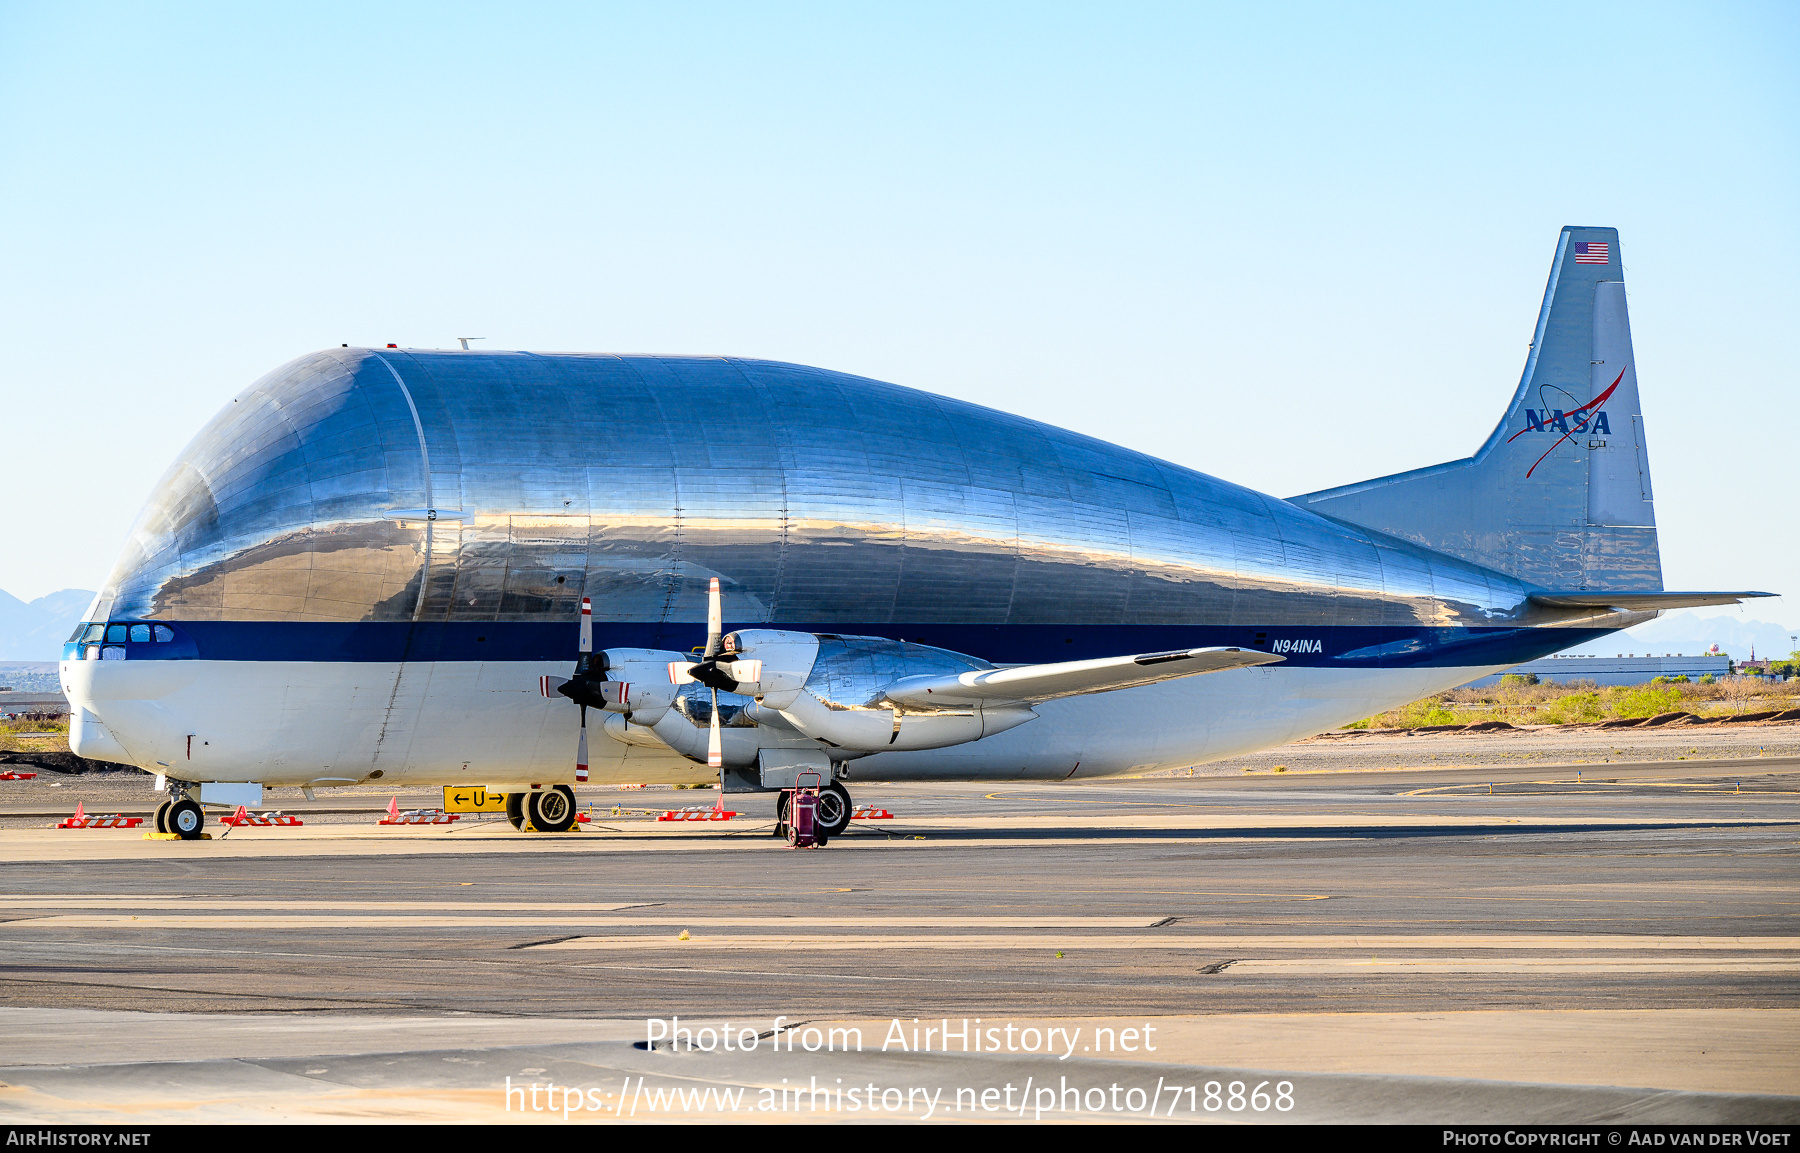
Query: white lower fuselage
[(326, 724)]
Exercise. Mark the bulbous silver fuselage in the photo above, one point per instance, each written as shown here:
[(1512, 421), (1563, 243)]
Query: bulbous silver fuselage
[(427, 523)]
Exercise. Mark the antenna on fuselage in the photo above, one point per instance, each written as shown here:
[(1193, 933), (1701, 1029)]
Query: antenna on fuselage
[(464, 340)]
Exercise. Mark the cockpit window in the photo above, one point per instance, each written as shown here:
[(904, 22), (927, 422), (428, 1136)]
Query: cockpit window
[(94, 632), (113, 653), (140, 634), (115, 634), (164, 633)]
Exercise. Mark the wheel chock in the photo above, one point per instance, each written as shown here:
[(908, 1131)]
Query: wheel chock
[(81, 820), (9, 775), (414, 816), (698, 813), (175, 837), (260, 820), (871, 813)]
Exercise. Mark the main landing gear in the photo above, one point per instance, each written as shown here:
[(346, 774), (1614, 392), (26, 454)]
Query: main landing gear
[(542, 810), (832, 816)]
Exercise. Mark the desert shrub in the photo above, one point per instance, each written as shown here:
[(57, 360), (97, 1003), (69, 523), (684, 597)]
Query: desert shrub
[(1744, 693), (1643, 701), (1576, 708), (1430, 711)]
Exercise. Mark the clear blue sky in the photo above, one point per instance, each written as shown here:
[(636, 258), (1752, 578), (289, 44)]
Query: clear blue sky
[(1291, 246)]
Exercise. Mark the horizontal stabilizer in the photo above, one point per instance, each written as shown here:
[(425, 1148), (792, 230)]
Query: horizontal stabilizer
[(1639, 602), (1031, 683)]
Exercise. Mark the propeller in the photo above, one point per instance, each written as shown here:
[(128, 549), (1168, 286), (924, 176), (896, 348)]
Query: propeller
[(708, 673), (586, 649), (586, 687), (716, 669), (711, 670)]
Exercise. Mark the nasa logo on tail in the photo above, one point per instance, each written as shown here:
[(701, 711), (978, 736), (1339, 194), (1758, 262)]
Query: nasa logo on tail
[(1582, 418)]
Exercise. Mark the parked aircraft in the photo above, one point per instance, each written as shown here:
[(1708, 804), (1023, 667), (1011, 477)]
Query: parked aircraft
[(515, 570)]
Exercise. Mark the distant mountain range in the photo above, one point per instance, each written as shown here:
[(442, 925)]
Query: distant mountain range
[(35, 630)]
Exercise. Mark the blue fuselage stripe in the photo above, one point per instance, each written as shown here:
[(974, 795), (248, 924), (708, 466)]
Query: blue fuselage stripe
[(1342, 647)]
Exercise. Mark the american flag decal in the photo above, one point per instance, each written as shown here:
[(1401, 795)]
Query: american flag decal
[(1593, 252)]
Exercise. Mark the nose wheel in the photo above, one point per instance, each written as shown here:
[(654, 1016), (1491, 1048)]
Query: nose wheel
[(185, 820)]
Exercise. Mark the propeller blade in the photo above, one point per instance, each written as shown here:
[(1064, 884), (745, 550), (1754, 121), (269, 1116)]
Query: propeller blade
[(581, 761), (715, 752), (713, 621), (587, 625)]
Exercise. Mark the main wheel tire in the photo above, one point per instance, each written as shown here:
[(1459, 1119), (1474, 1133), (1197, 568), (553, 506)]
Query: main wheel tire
[(781, 808), (515, 809), (834, 810), (162, 816), (185, 820), (552, 810)]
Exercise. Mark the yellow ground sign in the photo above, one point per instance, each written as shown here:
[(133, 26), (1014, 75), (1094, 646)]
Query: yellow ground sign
[(467, 799)]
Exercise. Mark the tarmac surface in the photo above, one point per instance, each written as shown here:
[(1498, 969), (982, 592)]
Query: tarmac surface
[(1392, 944)]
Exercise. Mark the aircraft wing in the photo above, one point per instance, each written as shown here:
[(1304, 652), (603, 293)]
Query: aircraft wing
[(1027, 684), (1639, 602)]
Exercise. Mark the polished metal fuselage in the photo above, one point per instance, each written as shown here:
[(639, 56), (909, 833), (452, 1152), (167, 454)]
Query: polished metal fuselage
[(817, 498), (415, 509)]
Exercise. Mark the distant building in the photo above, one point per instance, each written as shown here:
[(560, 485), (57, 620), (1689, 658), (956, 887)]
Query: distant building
[(1624, 669)]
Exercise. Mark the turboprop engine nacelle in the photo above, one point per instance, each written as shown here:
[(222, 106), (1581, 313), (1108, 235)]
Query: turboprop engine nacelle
[(830, 688), (892, 729), (637, 683), (771, 665)]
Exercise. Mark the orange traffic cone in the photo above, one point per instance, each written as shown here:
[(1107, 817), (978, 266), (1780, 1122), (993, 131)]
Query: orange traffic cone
[(393, 808)]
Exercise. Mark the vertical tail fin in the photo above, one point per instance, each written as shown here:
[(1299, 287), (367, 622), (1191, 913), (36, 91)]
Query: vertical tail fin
[(1559, 495)]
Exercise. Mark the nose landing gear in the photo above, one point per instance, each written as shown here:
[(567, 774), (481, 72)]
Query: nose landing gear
[(180, 814), (185, 819)]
